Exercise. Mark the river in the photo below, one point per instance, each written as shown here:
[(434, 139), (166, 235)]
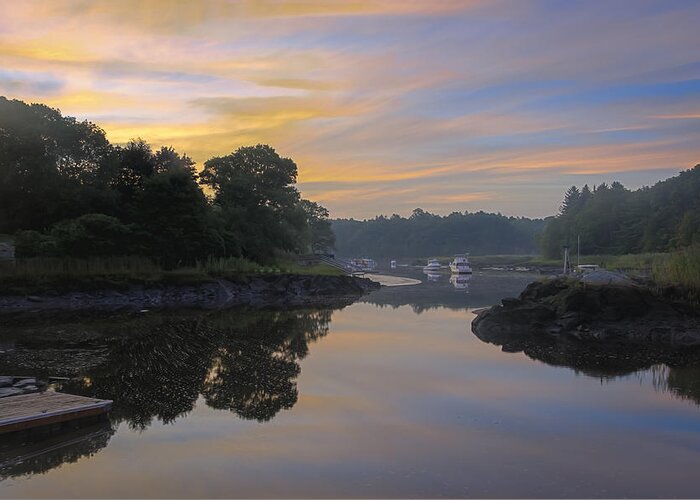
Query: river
[(391, 396)]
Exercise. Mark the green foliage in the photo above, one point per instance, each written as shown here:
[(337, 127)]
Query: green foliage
[(321, 237), (614, 220), (183, 232), (51, 167), (91, 235), (681, 267), (254, 187), (424, 235), (67, 192), (34, 244), (224, 266)]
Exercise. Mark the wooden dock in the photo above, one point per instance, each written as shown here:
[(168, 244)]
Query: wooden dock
[(47, 408)]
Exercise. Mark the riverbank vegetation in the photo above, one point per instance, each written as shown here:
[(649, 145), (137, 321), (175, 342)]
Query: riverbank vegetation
[(63, 274), (655, 229), (680, 267), (90, 207), (614, 220)]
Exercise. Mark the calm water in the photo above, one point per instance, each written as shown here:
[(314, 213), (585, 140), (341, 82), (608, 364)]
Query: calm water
[(390, 396)]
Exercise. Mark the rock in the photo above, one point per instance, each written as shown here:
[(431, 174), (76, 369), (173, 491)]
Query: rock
[(25, 382), (6, 392), (603, 277), (260, 290), (615, 312)]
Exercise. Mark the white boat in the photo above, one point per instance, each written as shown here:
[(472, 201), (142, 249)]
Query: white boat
[(460, 264), (366, 265), (433, 266), (432, 276), (392, 264)]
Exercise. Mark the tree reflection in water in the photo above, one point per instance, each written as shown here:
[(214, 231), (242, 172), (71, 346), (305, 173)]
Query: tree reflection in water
[(254, 369), (24, 455), (156, 366), (673, 370)]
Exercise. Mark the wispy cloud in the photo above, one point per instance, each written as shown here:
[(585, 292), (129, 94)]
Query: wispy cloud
[(385, 104)]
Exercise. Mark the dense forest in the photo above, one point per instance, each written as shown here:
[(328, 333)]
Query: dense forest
[(66, 191), (615, 220), (424, 235)]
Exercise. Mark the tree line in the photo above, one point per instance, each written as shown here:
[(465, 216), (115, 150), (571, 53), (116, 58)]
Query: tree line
[(611, 219), (424, 234), (66, 191)]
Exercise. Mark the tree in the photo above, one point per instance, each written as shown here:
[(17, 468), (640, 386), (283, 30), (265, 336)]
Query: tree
[(425, 235), (321, 234), (51, 167), (174, 220), (92, 235), (571, 202), (254, 187), (136, 163), (613, 219)]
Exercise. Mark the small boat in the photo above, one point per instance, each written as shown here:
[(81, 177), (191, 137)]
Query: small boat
[(365, 265), (460, 264), (392, 264), (433, 266)]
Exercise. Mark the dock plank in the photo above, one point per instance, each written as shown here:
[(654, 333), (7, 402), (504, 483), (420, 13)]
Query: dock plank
[(46, 408)]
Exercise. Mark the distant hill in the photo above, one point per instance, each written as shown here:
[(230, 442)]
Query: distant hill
[(614, 220), (424, 235)]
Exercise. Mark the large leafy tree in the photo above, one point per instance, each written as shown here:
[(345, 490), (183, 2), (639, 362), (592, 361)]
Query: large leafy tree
[(174, 219), (51, 167), (68, 189), (254, 187)]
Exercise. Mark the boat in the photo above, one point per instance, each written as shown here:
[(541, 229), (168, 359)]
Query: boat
[(460, 264), (366, 265), (433, 266), (392, 264)]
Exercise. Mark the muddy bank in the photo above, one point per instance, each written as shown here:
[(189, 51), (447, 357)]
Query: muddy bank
[(559, 308), (256, 291)]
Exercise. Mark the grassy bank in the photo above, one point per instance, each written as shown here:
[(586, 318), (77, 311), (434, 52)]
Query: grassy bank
[(681, 267), (36, 275)]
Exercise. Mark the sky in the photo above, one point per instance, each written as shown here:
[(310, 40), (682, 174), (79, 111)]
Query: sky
[(385, 105)]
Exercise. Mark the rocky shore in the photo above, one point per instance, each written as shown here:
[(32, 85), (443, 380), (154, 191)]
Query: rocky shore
[(15, 386), (617, 312), (256, 291)]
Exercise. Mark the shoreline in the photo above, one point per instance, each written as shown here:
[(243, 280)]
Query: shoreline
[(253, 290), (606, 314)]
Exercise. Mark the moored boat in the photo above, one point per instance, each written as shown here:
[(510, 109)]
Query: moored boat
[(460, 264), (432, 266), (365, 265)]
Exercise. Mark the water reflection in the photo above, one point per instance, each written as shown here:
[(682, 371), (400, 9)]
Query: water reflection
[(460, 282), (432, 276), (477, 290), (676, 371), (155, 367), (22, 455), (394, 404)]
